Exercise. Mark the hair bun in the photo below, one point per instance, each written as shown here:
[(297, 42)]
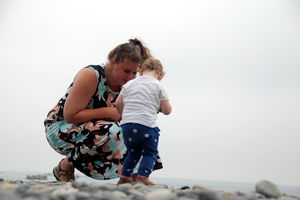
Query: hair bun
[(138, 45)]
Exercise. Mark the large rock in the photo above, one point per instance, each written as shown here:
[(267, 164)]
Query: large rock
[(267, 189)]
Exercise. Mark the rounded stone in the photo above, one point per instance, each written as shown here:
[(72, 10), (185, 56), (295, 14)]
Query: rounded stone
[(83, 196), (161, 194), (185, 187), (198, 187), (136, 195), (267, 189)]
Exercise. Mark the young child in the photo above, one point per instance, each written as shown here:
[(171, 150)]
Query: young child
[(139, 102)]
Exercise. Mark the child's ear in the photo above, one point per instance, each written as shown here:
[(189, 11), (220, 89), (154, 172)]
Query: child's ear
[(162, 74)]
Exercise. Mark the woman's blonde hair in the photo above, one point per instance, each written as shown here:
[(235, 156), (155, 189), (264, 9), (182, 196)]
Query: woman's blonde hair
[(153, 65), (134, 50)]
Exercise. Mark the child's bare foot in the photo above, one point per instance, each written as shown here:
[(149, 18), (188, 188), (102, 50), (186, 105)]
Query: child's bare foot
[(124, 179), (144, 179)]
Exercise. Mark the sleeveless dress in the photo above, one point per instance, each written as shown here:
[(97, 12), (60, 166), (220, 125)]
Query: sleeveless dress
[(96, 148)]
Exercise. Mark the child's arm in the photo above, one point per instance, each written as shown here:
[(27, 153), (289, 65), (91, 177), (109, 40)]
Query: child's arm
[(119, 104), (165, 107)]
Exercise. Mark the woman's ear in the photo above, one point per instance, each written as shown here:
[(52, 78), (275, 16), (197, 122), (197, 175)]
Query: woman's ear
[(112, 62)]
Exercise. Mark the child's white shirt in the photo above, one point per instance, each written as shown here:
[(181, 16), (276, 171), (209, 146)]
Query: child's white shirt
[(141, 100)]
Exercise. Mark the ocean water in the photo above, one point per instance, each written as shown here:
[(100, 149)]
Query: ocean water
[(170, 182)]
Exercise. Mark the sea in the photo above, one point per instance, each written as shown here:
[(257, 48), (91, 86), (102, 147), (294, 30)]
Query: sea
[(170, 182)]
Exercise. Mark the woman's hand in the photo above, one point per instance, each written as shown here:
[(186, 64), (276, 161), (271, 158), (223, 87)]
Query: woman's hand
[(114, 115)]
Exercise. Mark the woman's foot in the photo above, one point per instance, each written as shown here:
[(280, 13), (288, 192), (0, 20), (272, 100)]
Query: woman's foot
[(64, 171), (144, 179), (124, 179)]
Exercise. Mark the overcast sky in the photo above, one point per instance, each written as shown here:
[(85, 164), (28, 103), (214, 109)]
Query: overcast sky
[(232, 67)]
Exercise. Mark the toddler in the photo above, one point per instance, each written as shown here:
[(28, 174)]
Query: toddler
[(139, 102)]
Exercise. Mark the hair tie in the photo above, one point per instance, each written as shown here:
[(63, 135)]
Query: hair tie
[(138, 48)]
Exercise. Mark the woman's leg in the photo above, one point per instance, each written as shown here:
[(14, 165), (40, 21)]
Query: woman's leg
[(99, 150), (55, 134), (95, 148)]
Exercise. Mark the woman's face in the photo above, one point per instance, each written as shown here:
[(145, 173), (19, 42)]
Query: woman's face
[(124, 71)]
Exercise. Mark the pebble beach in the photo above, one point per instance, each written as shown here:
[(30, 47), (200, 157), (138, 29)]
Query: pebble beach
[(53, 190)]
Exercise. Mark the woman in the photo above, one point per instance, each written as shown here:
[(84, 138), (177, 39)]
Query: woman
[(84, 125)]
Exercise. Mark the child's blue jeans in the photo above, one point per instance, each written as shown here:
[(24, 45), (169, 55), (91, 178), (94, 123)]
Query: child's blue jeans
[(140, 141)]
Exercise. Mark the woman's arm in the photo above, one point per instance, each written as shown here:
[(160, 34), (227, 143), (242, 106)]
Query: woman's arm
[(165, 107), (119, 104), (84, 86)]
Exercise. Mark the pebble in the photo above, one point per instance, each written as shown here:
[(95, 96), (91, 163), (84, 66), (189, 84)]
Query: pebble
[(35, 190)]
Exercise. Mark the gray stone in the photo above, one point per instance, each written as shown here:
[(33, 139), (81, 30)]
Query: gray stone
[(187, 194), (139, 186), (228, 195), (136, 195), (125, 186), (267, 188), (17, 182), (206, 195), (118, 195), (30, 198), (76, 184), (251, 195), (286, 198), (124, 190), (161, 194), (186, 198), (198, 187), (82, 196), (64, 193), (102, 195), (161, 186), (142, 188), (185, 187), (83, 186), (8, 196), (22, 189), (33, 195), (100, 186)]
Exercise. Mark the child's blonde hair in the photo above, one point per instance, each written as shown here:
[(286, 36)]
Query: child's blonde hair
[(153, 65)]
